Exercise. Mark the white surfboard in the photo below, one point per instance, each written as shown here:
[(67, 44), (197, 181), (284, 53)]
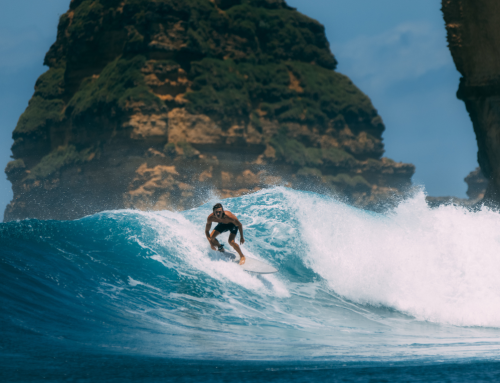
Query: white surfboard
[(251, 265)]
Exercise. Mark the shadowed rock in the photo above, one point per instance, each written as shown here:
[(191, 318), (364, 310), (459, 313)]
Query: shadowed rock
[(473, 28)]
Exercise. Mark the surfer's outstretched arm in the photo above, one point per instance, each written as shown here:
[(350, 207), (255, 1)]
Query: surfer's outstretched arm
[(240, 228), (207, 234), (208, 226)]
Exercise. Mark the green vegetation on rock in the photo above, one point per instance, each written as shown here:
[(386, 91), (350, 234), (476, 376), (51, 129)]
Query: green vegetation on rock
[(86, 15), (58, 158), (45, 106), (332, 94), (50, 85), (296, 153), (15, 165), (280, 33), (253, 31), (244, 52), (227, 91), (121, 83), (38, 114), (337, 157)]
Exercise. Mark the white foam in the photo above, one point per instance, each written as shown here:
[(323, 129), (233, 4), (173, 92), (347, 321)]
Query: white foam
[(134, 283), (440, 265)]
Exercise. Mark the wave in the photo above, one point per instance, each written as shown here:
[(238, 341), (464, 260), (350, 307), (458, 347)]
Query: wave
[(414, 282)]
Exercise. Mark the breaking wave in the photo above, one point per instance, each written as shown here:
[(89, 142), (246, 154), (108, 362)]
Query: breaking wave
[(411, 283)]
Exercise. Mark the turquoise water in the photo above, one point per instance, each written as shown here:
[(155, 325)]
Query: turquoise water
[(409, 295)]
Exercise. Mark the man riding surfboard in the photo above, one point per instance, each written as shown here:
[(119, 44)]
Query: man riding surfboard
[(226, 221)]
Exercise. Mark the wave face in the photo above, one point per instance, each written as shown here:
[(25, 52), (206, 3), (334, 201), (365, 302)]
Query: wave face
[(414, 283)]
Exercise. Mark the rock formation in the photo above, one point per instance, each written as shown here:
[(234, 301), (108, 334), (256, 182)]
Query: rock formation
[(155, 104), (477, 184), (474, 39)]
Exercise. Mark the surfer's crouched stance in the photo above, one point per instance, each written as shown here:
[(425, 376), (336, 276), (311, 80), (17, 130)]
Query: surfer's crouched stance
[(227, 221)]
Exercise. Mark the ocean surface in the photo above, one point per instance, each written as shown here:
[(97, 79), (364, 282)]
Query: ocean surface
[(409, 295)]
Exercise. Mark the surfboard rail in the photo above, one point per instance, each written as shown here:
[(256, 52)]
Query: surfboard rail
[(251, 265)]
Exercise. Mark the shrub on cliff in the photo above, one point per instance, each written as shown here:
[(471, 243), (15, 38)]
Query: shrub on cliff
[(59, 158), (46, 105), (296, 153), (229, 91), (120, 84)]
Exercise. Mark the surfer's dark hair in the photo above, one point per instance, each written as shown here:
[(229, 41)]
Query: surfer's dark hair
[(217, 206)]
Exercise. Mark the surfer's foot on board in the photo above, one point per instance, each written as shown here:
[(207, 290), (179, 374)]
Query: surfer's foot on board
[(242, 260)]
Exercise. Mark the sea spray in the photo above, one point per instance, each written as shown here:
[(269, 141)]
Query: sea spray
[(440, 265)]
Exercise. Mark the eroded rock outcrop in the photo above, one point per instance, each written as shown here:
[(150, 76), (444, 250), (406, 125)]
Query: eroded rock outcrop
[(477, 184), (474, 39), (155, 104)]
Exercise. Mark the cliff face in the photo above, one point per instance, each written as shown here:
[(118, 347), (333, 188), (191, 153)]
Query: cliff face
[(154, 104), (474, 39)]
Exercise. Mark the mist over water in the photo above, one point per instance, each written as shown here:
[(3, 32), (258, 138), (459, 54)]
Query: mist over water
[(413, 284)]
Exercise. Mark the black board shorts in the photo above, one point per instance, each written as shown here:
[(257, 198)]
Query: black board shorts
[(222, 227)]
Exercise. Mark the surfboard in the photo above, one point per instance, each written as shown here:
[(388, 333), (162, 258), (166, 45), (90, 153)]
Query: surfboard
[(251, 265)]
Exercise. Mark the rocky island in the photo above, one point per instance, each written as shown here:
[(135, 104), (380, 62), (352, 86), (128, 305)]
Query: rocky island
[(156, 104)]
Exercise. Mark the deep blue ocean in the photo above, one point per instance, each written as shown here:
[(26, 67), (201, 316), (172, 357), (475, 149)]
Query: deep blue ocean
[(411, 295)]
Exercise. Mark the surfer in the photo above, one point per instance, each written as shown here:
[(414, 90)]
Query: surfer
[(226, 221)]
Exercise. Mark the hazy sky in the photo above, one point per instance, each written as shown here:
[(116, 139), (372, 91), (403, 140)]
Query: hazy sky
[(395, 51)]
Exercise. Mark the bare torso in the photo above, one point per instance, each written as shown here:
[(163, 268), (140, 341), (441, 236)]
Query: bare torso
[(227, 218)]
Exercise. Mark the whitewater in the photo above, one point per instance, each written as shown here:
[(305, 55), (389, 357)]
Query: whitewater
[(411, 285)]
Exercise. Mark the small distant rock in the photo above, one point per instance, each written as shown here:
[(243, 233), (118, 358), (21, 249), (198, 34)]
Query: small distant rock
[(477, 187), (477, 183)]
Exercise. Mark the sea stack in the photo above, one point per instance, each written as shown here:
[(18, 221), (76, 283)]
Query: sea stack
[(158, 104)]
